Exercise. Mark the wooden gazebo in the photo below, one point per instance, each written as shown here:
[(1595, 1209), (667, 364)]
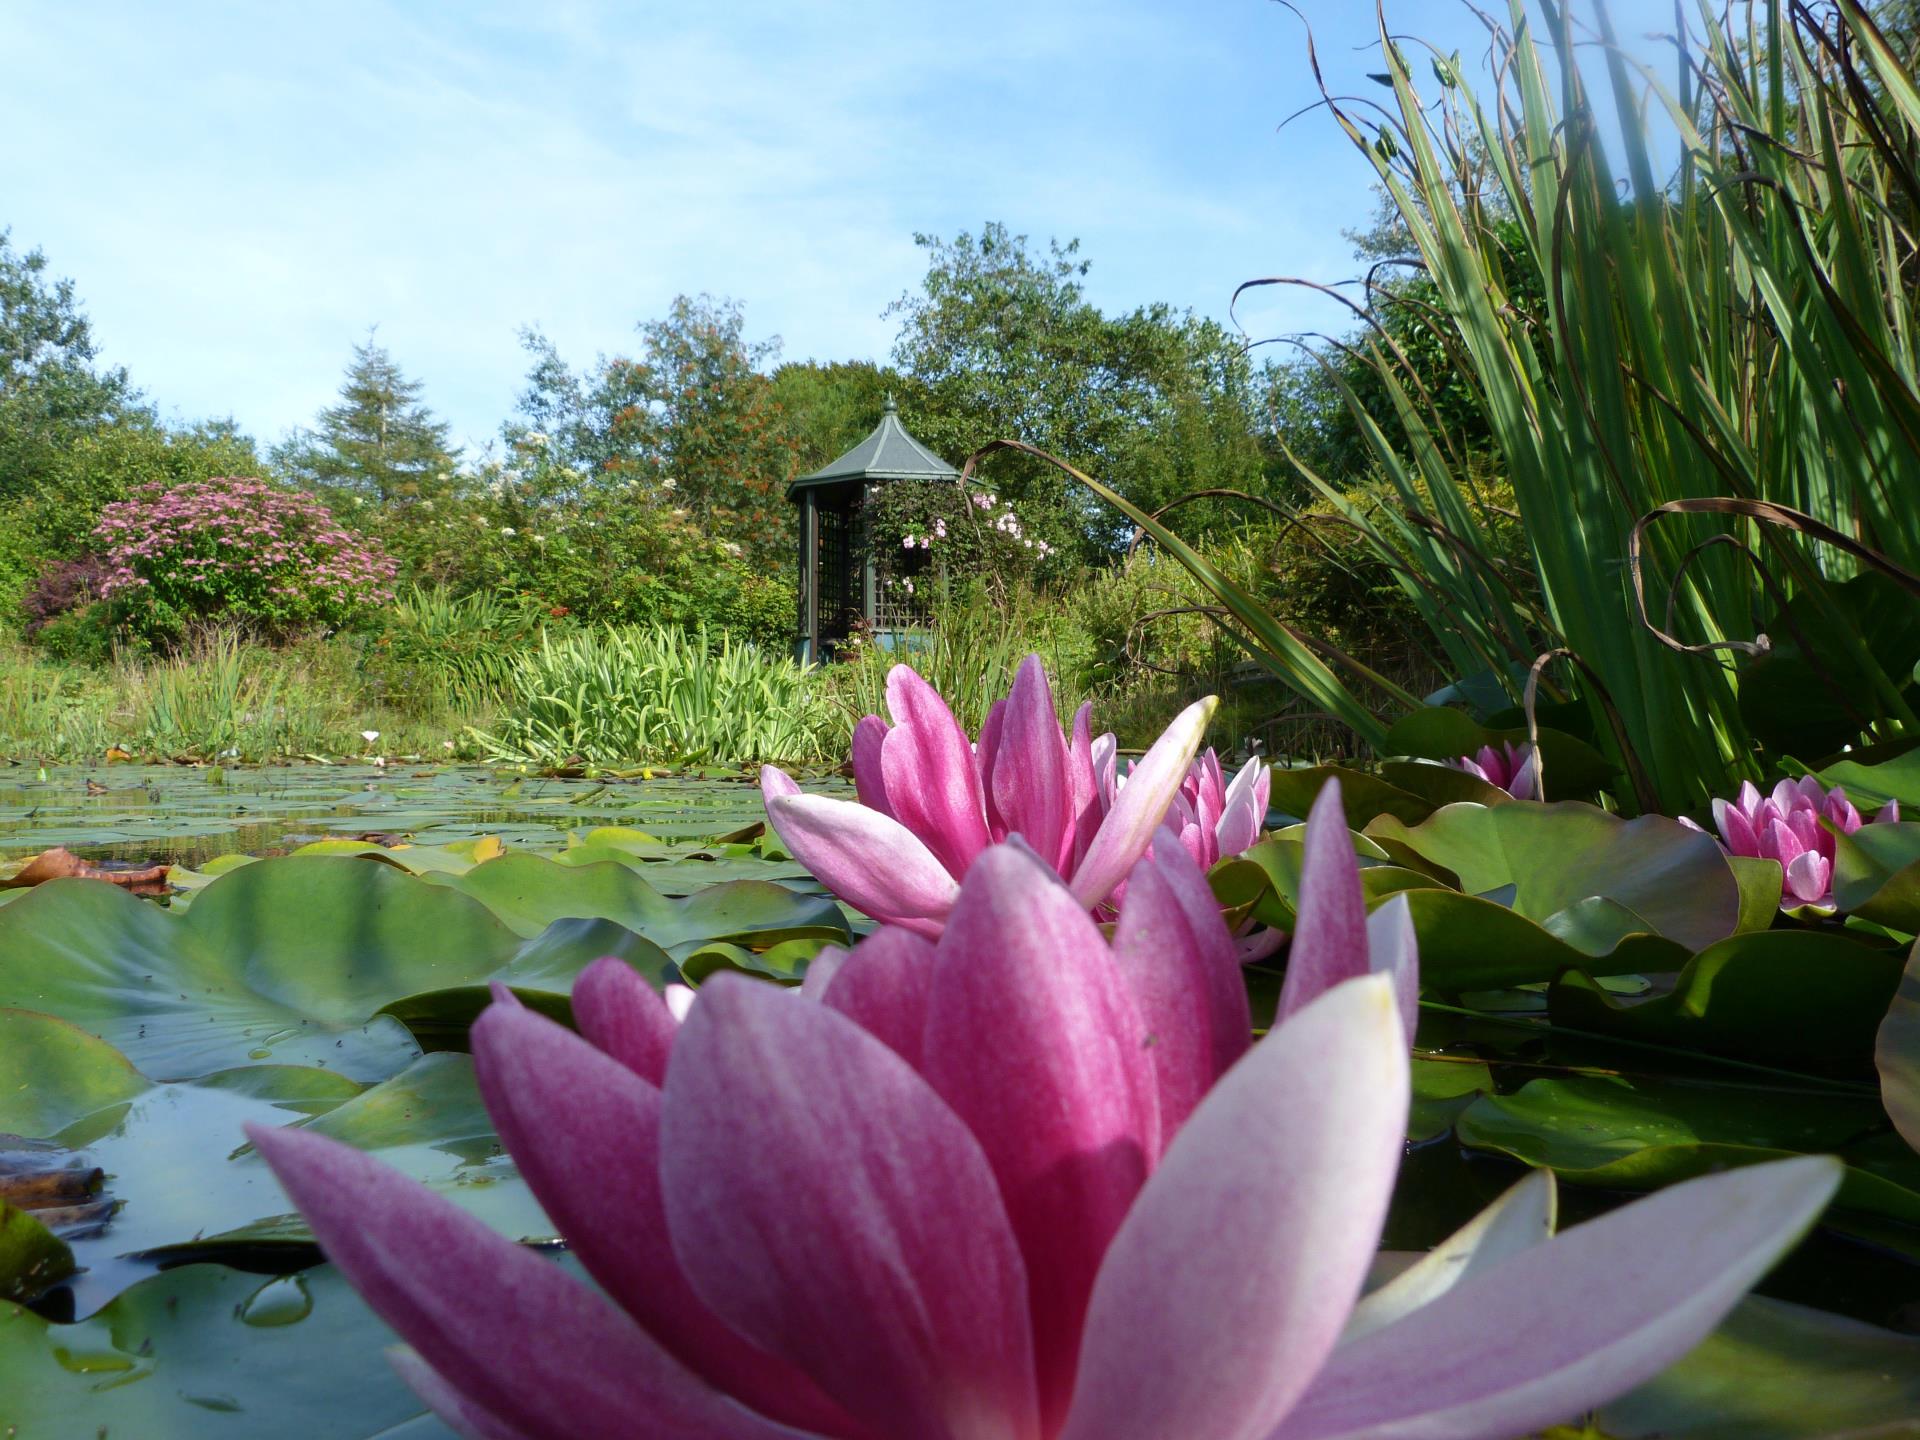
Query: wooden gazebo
[(842, 581)]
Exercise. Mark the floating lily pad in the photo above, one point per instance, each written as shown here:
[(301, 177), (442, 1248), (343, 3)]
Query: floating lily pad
[(1876, 874), (1643, 1134), (1470, 943), (530, 892), (1777, 1371), (294, 960), (32, 1258), (208, 1353), (1897, 1054), (1266, 877), (1442, 1088), (1799, 998), (1555, 856), (1871, 782)]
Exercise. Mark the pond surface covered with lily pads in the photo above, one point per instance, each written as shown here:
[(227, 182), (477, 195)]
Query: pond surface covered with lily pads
[(330, 932)]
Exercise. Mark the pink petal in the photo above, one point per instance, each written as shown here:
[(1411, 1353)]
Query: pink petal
[(1330, 936), (1229, 1283), (1088, 805), (883, 985), (457, 1410), (830, 1207), (985, 755), (495, 1320), (1565, 1326), (775, 782), (932, 783), (1735, 829), (1062, 1096), (1748, 799), (1517, 1221), (1185, 978), (1525, 781), (625, 1016), (869, 782), (1809, 875), (1393, 951), (597, 1175), (1782, 843), (821, 969), (1140, 805), (1032, 791), (874, 863), (1889, 814)]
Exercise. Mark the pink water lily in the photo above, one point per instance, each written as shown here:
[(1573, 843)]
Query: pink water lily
[(1510, 768), (1024, 1183), (1212, 818), (930, 802), (1784, 826)]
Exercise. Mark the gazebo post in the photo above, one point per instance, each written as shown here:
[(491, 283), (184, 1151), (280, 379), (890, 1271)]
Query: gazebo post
[(809, 644), (869, 582)]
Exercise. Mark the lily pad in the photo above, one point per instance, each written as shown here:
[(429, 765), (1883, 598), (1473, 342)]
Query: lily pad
[(32, 1258), (293, 960), (1897, 1054), (208, 1353), (1471, 943), (1363, 795), (1871, 782), (1778, 1371), (1876, 874), (1555, 856), (1754, 997), (1644, 1134), (530, 892)]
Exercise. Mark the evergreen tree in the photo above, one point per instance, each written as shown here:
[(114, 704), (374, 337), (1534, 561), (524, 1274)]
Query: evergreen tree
[(380, 442)]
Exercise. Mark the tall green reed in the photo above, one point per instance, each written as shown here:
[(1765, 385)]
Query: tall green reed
[(1744, 327)]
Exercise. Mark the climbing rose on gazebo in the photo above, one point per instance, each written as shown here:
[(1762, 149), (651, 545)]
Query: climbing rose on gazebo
[(1785, 827), (1023, 1184), (930, 802)]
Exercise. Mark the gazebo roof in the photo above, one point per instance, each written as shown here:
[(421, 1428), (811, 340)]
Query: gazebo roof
[(889, 453)]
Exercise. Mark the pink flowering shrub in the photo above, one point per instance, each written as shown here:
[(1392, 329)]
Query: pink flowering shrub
[(236, 550)]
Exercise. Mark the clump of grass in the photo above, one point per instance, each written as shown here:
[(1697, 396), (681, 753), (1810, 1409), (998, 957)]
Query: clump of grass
[(630, 695)]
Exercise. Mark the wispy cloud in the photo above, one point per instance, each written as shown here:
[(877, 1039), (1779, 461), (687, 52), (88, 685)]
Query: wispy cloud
[(241, 190)]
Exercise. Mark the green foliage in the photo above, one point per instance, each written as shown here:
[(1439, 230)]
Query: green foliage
[(380, 442), (1626, 353), (437, 651), (1003, 344), (623, 696)]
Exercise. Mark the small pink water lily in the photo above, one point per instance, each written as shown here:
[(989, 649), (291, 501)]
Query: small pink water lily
[(1510, 768), (1212, 818), (1024, 1183), (1785, 826), (930, 802)]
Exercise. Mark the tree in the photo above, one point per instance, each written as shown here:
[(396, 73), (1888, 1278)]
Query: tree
[(380, 442), (691, 424), (1004, 344), (52, 388)]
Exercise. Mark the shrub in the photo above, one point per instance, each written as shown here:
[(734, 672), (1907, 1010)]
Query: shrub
[(238, 551), (64, 586)]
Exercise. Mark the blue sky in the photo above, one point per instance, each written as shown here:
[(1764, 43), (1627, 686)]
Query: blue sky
[(241, 189)]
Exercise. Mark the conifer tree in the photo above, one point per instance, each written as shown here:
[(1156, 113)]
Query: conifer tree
[(380, 441)]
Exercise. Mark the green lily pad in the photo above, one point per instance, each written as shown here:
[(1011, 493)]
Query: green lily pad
[(1470, 943), (207, 1353), (1442, 1088), (530, 892), (1362, 794), (1554, 856), (1778, 1371), (52, 1072), (294, 960), (1761, 883), (1896, 1054), (1871, 782), (1644, 1134), (1800, 998), (187, 1185), (1876, 874), (1266, 877), (32, 1258)]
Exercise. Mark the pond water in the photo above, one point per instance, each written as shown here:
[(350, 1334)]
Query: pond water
[(184, 815)]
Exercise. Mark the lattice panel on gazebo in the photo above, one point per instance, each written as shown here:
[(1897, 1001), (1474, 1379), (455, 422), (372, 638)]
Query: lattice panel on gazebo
[(840, 572)]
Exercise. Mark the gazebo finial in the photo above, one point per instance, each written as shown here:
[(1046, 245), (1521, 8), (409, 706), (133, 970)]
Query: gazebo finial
[(891, 408)]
